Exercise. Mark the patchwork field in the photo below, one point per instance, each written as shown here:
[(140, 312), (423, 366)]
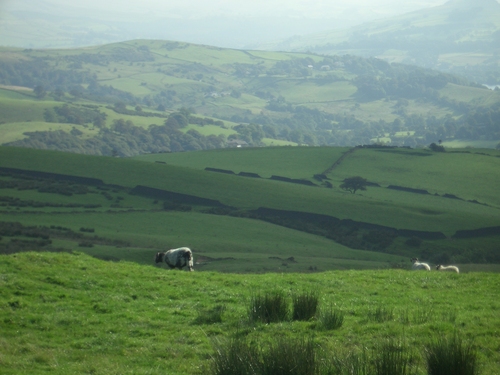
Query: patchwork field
[(290, 210), (295, 98)]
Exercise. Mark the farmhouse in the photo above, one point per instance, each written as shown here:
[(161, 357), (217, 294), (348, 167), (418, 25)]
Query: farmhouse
[(237, 143)]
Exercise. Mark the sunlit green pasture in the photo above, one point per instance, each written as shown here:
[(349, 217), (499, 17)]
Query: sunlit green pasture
[(141, 121), (246, 102), (132, 84), (69, 313), (482, 96), (243, 192), (305, 91), (219, 243), (464, 58), (463, 143), (296, 162), (15, 92), (373, 110), (467, 175), (18, 110), (426, 110)]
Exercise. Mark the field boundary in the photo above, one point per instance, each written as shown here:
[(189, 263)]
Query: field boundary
[(339, 160)]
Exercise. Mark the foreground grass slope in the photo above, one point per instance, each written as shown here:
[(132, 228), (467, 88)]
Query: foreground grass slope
[(70, 313)]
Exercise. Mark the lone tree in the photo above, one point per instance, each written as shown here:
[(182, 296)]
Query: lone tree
[(434, 147), (39, 92), (353, 184)]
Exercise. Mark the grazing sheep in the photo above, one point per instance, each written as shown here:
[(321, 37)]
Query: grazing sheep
[(419, 266), (447, 268), (176, 258)]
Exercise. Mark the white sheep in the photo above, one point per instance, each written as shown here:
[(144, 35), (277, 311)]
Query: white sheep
[(176, 258), (419, 266), (447, 268)]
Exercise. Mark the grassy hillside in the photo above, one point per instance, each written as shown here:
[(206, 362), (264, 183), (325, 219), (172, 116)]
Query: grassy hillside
[(240, 222), (255, 96), (70, 313)]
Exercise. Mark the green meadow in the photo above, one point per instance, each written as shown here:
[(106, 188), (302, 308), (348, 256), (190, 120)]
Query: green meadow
[(293, 162), (70, 313), (237, 238), (253, 193)]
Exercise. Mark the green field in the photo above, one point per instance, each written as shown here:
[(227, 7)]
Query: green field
[(293, 162), (70, 313), (239, 233)]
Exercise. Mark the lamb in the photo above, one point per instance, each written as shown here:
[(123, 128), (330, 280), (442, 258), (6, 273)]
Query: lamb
[(176, 258), (447, 268), (419, 266)]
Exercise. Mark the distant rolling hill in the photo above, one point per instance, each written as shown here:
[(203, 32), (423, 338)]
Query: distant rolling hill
[(148, 96), (460, 36)]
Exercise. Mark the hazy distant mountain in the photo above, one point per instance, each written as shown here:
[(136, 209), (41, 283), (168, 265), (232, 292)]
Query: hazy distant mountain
[(461, 36), (232, 24)]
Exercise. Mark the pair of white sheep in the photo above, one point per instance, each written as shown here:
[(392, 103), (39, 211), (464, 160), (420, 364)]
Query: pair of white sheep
[(424, 266)]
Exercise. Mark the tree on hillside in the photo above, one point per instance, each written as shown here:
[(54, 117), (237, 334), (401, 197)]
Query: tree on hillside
[(436, 148), (39, 91), (354, 184)]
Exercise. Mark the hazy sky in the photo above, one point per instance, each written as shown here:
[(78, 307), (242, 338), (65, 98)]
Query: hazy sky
[(294, 8), (225, 23)]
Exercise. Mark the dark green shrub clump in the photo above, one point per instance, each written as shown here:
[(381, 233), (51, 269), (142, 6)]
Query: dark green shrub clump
[(330, 319), (289, 357), (285, 355), (234, 357), (392, 358), (269, 308), (351, 363), (381, 314), (282, 356), (451, 355), (304, 306)]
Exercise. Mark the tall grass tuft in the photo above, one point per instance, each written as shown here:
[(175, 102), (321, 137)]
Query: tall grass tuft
[(381, 314), (304, 306), (330, 318), (451, 355), (392, 358), (234, 357), (271, 307), (423, 315), (351, 363), (404, 317), (287, 356)]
